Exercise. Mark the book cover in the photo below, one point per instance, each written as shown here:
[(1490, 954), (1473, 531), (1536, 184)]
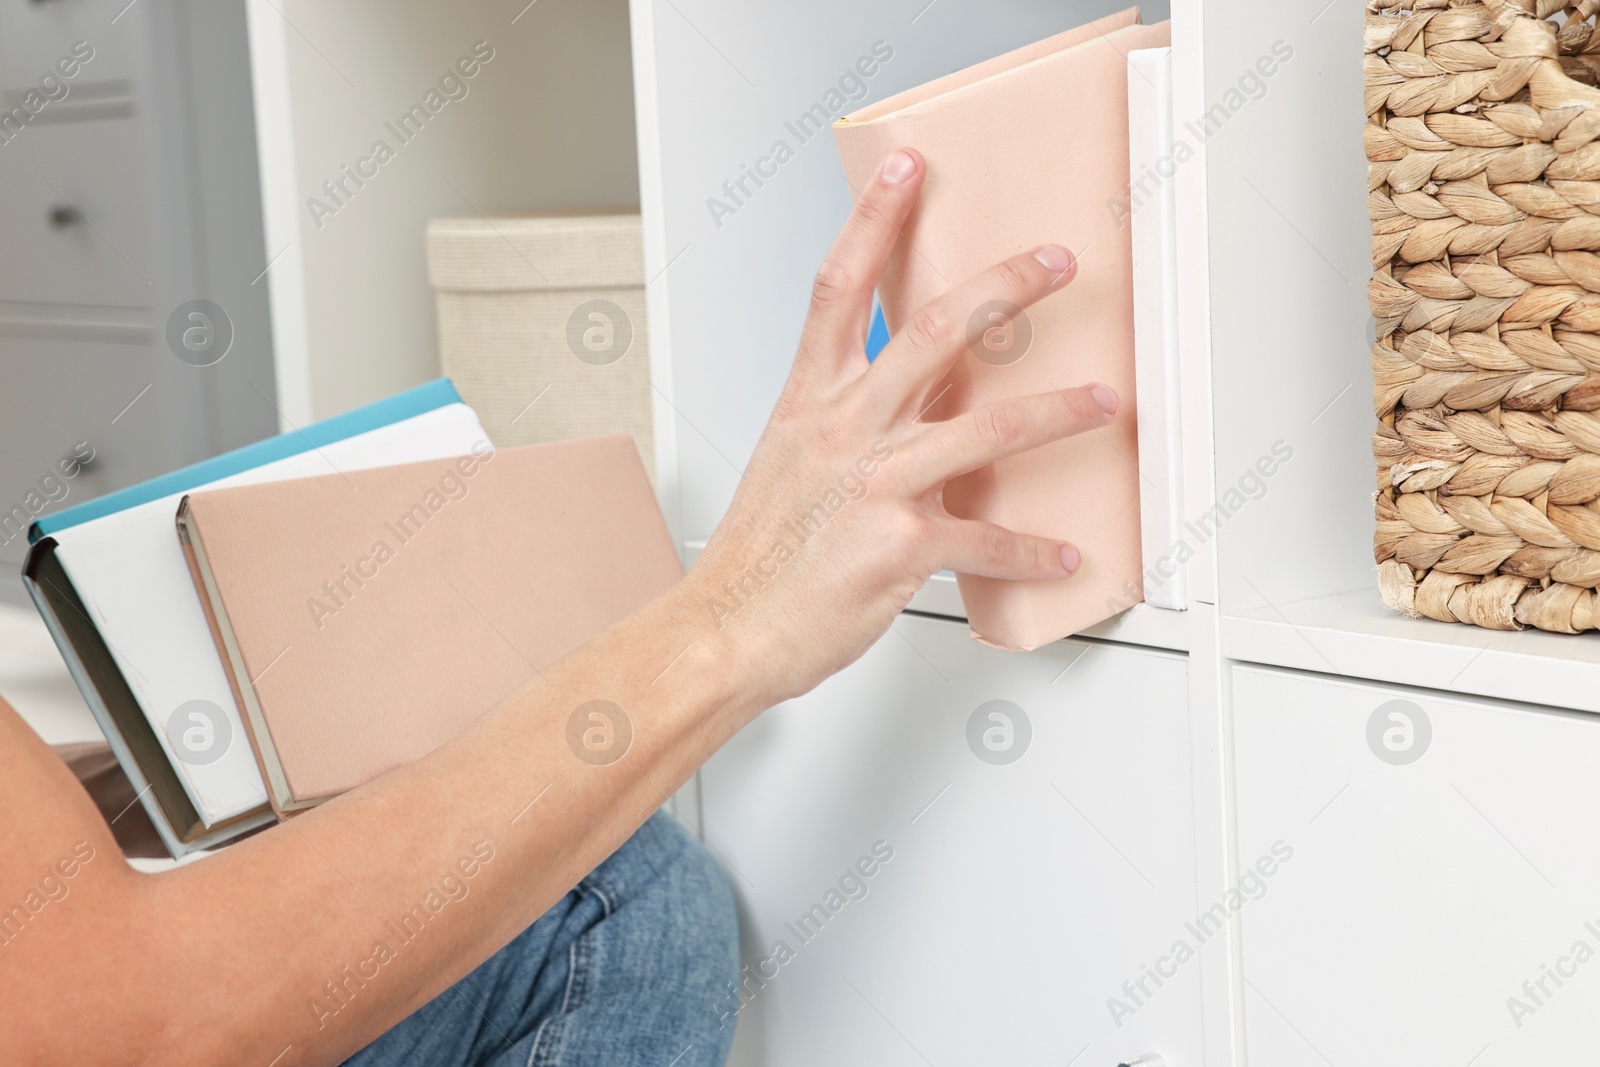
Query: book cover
[(367, 618), (1025, 149)]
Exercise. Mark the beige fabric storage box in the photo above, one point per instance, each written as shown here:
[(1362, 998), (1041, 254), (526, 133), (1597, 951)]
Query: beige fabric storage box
[(542, 325)]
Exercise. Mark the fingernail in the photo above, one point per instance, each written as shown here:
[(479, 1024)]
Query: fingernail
[(1055, 259), (1105, 397), (898, 167), (1070, 558)]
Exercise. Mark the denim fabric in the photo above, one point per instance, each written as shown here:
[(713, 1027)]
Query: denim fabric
[(625, 970)]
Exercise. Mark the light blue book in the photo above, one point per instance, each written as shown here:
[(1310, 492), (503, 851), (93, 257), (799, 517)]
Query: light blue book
[(877, 333)]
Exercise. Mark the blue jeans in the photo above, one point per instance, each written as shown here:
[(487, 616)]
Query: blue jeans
[(630, 968)]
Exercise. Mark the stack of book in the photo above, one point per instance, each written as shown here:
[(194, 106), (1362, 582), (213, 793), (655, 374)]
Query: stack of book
[(272, 627)]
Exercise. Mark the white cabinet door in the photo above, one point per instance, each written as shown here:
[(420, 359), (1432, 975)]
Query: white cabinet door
[(1442, 902), (77, 213), (36, 35), (1027, 858)]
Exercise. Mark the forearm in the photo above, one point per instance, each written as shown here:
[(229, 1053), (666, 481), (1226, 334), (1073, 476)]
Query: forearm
[(293, 914)]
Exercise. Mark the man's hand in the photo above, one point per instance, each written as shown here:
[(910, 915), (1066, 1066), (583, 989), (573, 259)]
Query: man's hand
[(840, 516)]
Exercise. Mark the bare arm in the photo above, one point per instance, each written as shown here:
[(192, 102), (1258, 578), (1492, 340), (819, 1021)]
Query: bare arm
[(836, 523)]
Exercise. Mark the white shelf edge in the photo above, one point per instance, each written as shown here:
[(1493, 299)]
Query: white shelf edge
[(284, 270), (1353, 635), (1139, 625), (658, 258)]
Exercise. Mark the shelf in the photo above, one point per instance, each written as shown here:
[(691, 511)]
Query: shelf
[(1139, 625), (1354, 635)]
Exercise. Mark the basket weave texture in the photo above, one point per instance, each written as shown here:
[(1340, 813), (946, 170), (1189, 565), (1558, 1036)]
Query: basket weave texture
[(1483, 141)]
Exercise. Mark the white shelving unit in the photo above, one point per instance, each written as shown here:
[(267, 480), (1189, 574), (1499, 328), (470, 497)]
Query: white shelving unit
[(716, 83), (545, 123), (1430, 789), (1354, 634), (1274, 336), (1171, 750)]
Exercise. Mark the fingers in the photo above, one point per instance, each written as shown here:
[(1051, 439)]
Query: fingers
[(971, 547), (975, 315), (980, 437), (841, 298)]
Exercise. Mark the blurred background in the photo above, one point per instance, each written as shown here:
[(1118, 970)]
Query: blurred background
[(167, 159)]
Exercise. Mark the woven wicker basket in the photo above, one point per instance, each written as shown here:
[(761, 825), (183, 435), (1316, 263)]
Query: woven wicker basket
[(542, 325), (1483, 138)]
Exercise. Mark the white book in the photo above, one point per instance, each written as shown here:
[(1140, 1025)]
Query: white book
[(1152, 216)]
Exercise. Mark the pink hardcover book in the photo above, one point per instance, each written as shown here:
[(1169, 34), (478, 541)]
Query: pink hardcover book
[(366, 617), (1025, 149)]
